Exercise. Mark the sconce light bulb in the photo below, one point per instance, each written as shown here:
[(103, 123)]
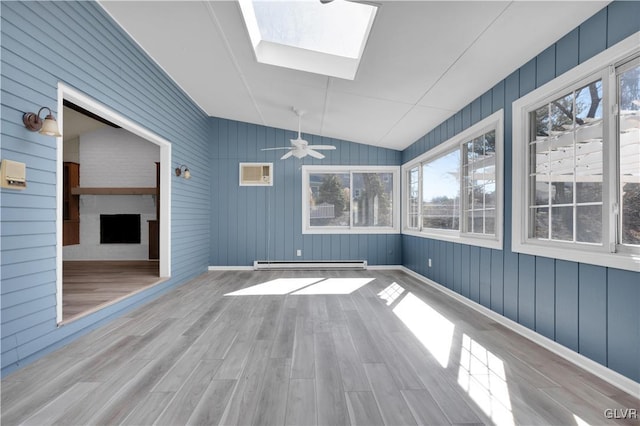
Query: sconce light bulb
[(50, 127), (184, 173)]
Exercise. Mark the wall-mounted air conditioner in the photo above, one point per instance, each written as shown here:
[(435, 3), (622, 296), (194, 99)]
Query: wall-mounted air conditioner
[(256, 174)]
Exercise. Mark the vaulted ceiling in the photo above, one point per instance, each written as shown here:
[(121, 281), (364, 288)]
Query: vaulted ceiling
[(424, 61)]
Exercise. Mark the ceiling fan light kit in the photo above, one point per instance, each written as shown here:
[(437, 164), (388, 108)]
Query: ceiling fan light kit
[(300, 148)]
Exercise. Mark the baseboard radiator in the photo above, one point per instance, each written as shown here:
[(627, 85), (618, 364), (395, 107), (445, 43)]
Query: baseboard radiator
[(308, 265)]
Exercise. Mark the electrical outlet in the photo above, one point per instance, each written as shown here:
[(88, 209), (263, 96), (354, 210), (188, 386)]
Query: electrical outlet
[(298, 252), (429, 262)]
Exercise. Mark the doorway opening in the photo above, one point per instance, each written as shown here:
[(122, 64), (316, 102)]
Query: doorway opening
[(113, 207)]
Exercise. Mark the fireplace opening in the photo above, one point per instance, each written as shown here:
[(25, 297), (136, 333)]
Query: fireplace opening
[(119, 229)]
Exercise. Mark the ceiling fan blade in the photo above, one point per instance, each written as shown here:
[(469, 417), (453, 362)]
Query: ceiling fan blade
[(287, 155), (273, 149), (322, 146), (315, 154)]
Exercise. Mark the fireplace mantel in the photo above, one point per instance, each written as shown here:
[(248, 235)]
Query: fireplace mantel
[(78, 190)]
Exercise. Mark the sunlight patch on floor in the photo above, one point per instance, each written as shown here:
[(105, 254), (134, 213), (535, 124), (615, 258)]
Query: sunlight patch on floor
[(391, 293), (481, 374), (335, 286), (434, 331), (579, 421), (278, 286), (303, 286)]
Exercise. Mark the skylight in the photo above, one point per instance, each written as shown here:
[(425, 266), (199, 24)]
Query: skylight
[(309, 36)]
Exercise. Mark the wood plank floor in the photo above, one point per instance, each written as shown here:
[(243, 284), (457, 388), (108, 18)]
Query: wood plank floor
[(89, 285), (305, 348)]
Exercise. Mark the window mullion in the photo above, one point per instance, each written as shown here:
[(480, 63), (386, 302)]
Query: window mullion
[(351, 191), (549, 185), (461, 187), (610, 196), (484, 186), (574, 198), (420, 197)]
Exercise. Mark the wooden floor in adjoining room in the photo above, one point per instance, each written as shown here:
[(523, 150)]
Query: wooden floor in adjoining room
[(305, 348), (88, 285)]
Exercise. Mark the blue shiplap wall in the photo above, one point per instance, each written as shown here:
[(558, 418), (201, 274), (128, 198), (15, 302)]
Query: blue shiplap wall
[(265, 223), (590, 309), (77, 43)]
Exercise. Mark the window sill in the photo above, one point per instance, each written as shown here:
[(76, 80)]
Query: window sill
[(626, 261), (456, 237), (347, 231)]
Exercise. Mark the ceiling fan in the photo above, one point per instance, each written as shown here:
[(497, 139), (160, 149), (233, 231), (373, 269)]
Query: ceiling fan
[(299, 147)]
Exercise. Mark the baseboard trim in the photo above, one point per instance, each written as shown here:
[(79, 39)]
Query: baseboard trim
[(309, 264), (614, 378), (385, 267), (250, 268), (230, 268)]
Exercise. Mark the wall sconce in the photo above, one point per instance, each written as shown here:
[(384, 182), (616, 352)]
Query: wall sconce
[(184, 173), (33, 122)]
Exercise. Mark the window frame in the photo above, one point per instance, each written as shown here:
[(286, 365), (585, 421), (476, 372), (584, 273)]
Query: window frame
[(608, 253), (307, 170), (494, 122)]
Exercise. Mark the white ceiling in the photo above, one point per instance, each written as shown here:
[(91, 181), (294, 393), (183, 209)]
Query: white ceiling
[(76, 124), (425, 60)]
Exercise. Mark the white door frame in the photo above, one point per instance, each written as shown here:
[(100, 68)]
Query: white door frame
[(82, 100)]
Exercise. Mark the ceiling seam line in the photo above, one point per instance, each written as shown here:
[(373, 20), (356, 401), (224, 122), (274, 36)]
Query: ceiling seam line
[(326, 104), (444, 73), (403, 116), (227, 46), (465, 51)]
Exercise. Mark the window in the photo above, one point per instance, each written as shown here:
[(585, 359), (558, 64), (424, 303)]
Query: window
[(454, 191), (413, 208), (441, 192), (479, 173), (565, 150), (628, 87), (350, 199), (293, 34), (578, 137)]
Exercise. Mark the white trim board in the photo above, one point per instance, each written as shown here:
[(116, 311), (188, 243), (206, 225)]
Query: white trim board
[(616, 379), (250, 268), (230, 268), (90, 104)]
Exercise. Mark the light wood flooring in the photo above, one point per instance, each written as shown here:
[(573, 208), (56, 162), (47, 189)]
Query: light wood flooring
[(291, 351), (90, 285)]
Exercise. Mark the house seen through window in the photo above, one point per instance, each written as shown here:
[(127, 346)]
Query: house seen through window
[(578, 197), (343, 199)]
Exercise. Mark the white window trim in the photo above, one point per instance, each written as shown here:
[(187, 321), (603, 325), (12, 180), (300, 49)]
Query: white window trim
[(395, 229), (81, 99), (493, 122), (597, 255)]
